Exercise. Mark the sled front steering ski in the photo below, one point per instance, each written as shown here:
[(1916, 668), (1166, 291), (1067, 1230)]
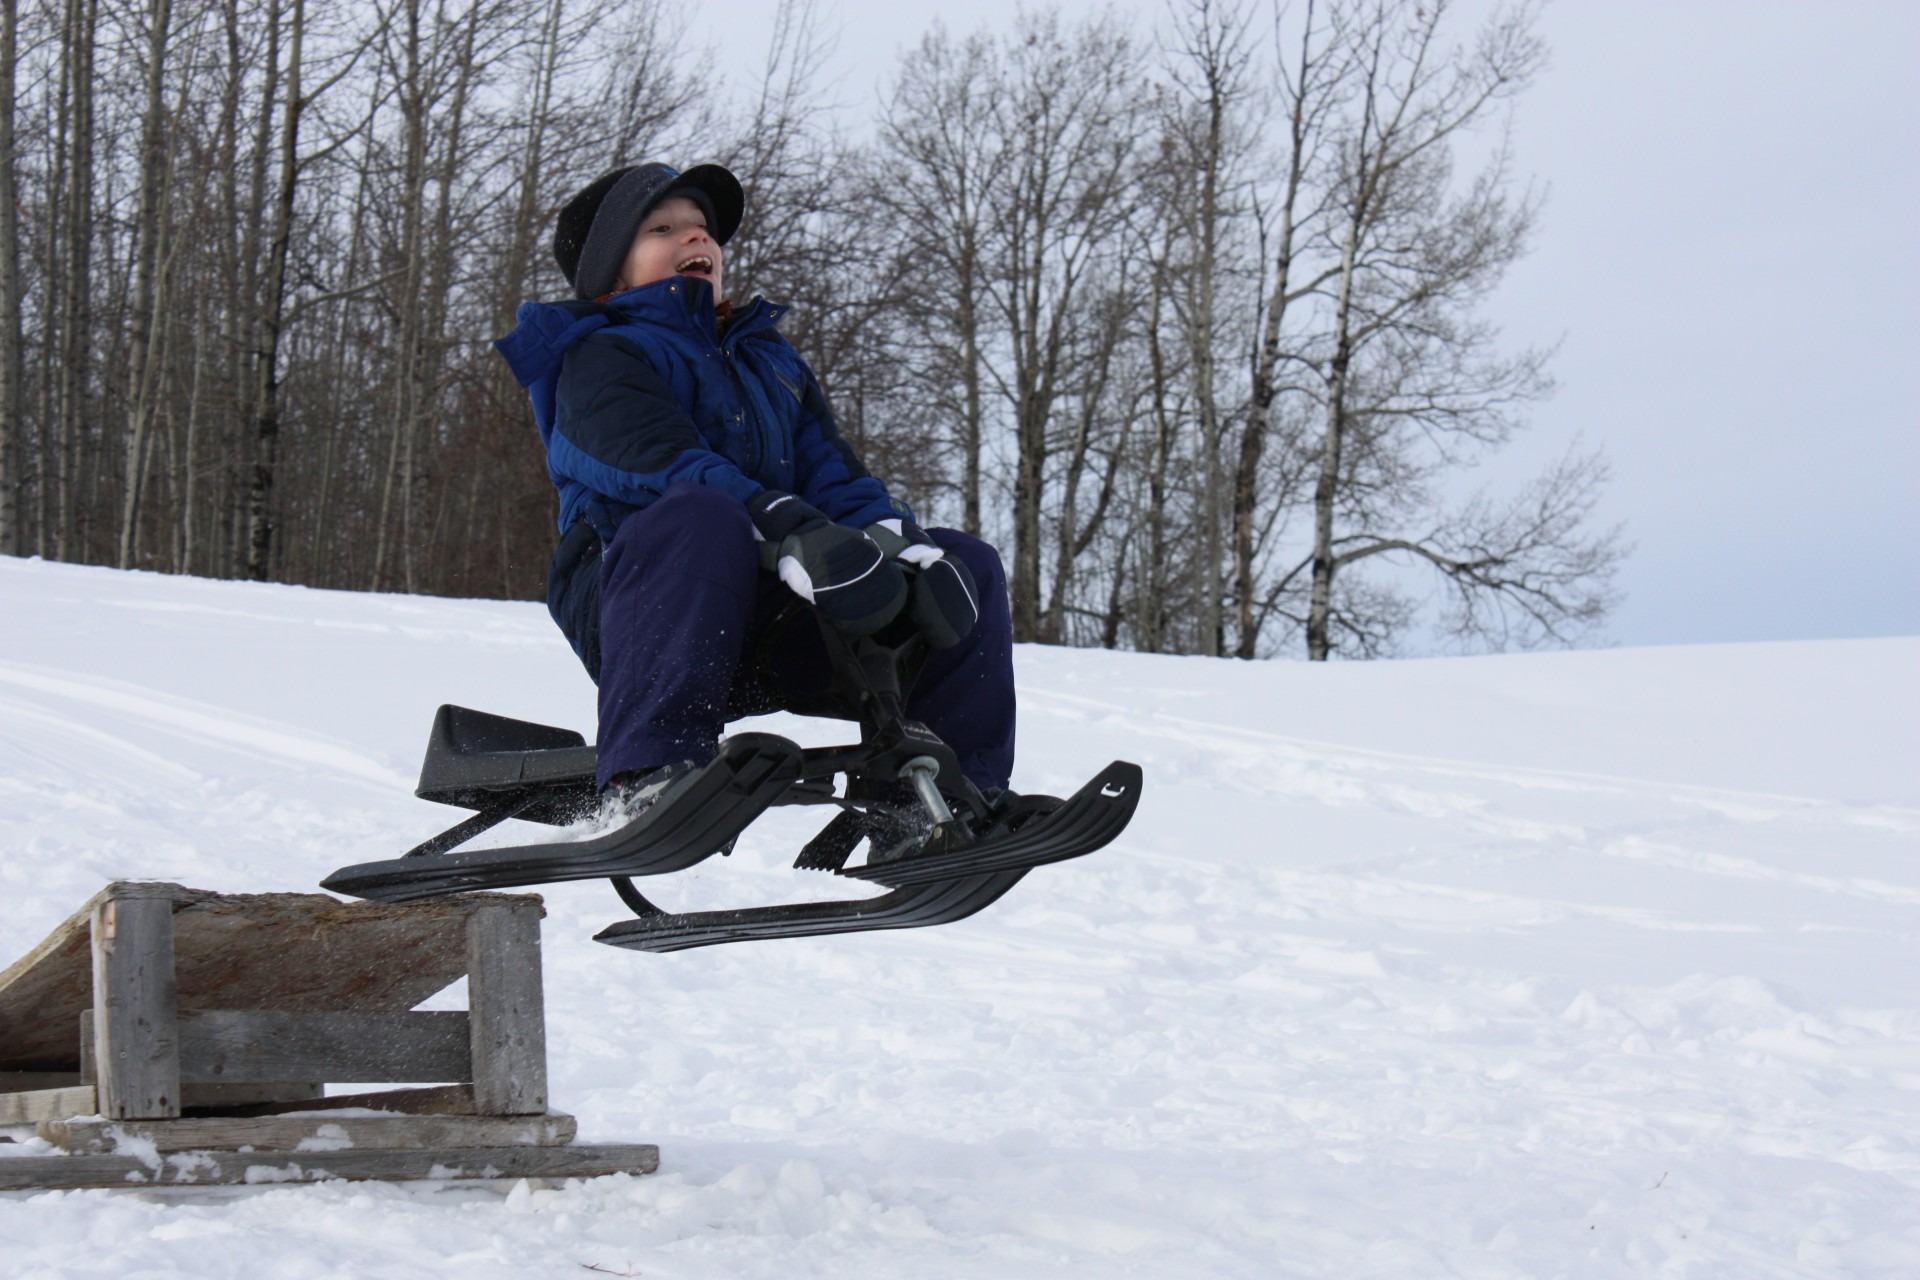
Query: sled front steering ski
[(940, 848)]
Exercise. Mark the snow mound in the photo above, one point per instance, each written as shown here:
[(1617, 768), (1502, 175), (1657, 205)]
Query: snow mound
[(1595, 964)]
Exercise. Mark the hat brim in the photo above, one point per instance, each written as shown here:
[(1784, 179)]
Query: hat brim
[(723, 193)]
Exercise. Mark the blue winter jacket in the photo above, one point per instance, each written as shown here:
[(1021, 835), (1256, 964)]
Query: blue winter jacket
[(642, 392)]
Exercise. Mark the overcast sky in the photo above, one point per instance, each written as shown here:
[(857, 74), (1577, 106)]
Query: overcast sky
[(1731, 257)]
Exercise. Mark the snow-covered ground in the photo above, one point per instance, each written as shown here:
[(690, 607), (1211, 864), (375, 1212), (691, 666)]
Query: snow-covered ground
[(1589, 964)]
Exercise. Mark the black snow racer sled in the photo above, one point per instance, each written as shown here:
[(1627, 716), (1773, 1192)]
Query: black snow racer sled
[(940, 848)]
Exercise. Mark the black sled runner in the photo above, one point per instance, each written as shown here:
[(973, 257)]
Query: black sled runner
[(940, 848)]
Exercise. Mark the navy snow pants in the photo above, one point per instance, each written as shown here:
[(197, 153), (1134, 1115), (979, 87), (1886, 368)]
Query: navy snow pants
[(682, 604)]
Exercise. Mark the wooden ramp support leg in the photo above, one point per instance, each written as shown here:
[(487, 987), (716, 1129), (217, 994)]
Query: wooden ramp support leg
[(506, 1009), (136, 1038)]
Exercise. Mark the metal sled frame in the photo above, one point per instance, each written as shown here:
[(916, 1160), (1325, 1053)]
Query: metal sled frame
[(899, 774)]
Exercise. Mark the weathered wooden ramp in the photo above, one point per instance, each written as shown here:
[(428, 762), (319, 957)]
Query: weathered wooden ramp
[(165, 1035)]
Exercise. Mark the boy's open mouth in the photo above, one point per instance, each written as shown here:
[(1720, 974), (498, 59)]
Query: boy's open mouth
[(698, 264)]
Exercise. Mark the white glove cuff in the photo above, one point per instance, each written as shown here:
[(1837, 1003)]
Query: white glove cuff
[(796, 578), (921, 554)]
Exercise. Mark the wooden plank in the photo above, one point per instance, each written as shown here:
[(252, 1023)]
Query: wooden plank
[(42, 993), (20, 1081), (294, 952), (507, 1008), (225, 1097), (231, 1046), (213, 1168), (433, 1100), (322, 954), (33, 1173), (223, 1094), (136, 1047), (48, 1104), (311, 1132)]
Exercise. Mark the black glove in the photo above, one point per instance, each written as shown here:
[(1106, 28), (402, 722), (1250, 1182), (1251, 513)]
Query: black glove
[(945, 603), (836, 569)]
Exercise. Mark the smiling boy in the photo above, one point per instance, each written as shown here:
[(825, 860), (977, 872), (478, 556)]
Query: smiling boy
[(674, 239), (683, 435)]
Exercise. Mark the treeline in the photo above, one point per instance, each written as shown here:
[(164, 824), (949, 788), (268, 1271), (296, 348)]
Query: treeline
[(1184, 319)]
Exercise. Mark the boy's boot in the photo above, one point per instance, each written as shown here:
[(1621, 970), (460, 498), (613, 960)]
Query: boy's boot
[(631, 794)]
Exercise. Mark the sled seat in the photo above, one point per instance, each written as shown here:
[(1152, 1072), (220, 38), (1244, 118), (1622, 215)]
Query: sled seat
[(476, 760)]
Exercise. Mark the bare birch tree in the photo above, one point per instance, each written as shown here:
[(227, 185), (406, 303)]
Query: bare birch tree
[(1311, 78), (1209, 66), (1070, 119), (13, 418), (1197, 339), (149, 300), (73, 195), (938, 178), (273, 299), (1413, 384)]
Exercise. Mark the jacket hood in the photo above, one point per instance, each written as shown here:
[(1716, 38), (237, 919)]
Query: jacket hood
[(543, 333)]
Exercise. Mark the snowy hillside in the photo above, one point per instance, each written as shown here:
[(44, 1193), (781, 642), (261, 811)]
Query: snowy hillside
[(1591, 964)]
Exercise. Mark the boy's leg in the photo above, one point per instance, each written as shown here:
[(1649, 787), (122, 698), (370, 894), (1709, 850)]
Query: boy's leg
[(677, 586), (965, 694), (681, 595)]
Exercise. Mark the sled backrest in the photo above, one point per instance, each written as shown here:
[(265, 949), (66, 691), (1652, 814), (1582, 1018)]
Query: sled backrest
[(474, 759)]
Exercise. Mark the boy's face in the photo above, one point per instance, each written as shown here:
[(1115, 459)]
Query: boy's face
[(672, 241)]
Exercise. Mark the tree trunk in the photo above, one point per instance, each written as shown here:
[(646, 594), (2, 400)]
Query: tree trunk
[(1031, 411), (1326, 489), (523, 235), (398, 481), (338, 570), (1253, 443), (1029, 476), (1072, 538), (1201, 340), (189, 446), (75, 271), (1153, 610), (13, 402), (250, 309), (420, 534), (971, 413), (148, 301), (267, 420)]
